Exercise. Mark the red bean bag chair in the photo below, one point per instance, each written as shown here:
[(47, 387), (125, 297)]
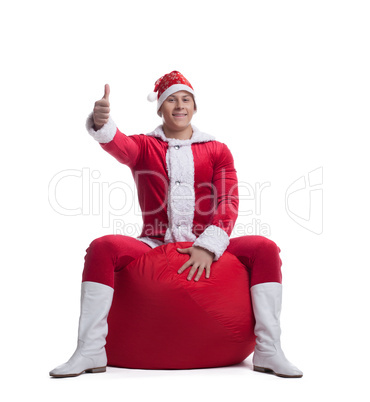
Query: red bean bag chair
[(160, 320)]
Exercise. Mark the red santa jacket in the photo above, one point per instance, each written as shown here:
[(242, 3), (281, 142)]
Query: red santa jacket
[(187, 189)]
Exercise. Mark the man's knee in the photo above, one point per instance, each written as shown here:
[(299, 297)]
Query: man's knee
[(105, 243), (266, 245)]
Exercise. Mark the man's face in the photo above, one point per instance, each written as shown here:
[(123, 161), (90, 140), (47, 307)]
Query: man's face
[(177, 110)]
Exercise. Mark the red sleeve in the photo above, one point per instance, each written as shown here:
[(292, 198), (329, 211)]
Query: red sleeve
[(124, 148), (215, 237), (226, 185)]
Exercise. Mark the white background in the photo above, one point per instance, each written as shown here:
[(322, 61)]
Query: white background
[(285, 84)]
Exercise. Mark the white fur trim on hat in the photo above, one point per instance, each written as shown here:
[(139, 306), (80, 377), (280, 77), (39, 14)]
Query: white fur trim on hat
[(171, 90)]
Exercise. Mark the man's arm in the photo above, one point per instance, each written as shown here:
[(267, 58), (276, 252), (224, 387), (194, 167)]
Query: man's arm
[(212, 243), (102, 128), (216, 236)]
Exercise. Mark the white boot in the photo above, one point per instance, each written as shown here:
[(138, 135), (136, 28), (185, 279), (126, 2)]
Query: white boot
[(90, 355), (268, 356)]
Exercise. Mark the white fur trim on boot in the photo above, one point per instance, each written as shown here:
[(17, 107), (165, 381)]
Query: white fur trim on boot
[(268, 356), (90, 355)]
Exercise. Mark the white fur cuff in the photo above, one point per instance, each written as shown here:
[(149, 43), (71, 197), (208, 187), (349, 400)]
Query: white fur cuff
[(213, 239), (105, 134)]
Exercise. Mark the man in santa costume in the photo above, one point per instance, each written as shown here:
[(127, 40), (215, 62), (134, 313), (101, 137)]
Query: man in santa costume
[(188, 192)]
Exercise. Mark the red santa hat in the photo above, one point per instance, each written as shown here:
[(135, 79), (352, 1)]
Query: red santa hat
[(168, 85)]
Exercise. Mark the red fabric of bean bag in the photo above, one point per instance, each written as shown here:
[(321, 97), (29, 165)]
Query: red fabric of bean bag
[(160, 320)]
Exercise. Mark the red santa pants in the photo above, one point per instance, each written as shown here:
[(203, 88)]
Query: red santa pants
[(111, 253)]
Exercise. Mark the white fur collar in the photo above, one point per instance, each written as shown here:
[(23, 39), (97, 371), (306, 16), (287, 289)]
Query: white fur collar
[(198, 136)]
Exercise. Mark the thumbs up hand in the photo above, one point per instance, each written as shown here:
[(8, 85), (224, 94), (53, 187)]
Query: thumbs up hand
[(101, 110)]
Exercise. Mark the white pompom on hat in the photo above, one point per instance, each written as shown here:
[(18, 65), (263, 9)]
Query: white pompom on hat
[(168, 85), (152, 97)]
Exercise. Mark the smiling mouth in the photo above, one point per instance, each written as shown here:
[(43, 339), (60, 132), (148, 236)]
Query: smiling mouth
[(179, 114)]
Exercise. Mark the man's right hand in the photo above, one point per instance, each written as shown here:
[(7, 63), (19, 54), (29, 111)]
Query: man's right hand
[(101, 110)]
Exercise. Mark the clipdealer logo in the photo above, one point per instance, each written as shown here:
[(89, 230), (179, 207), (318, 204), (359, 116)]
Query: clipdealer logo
[(91, 196), (304, 201), (74, 192)]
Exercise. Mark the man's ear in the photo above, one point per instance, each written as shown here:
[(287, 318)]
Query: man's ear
[(195, 105)]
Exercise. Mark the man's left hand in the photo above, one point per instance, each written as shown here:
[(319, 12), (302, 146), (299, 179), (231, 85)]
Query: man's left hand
[(200, 259)]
